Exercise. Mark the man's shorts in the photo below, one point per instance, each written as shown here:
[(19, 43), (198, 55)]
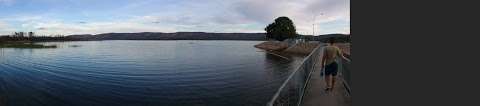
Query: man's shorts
[(331, 69)]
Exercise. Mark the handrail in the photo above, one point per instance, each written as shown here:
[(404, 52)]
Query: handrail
[(306, 61), (344, 68)]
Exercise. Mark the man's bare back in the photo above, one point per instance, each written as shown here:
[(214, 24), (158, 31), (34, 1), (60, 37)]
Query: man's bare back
[(331, 53)]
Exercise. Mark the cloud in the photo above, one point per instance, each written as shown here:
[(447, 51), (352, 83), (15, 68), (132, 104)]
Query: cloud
[(5, 28), (41, 28), (193, 23), (332, 16), (6, 2), (266, 10), (302, 12), (57, 27)]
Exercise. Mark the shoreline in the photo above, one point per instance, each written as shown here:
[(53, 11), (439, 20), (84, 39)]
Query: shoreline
[(282, 47), (24, 44)]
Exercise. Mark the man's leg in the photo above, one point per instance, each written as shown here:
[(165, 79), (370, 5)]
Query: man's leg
[(333, 81), (327, 81), (334, 75)]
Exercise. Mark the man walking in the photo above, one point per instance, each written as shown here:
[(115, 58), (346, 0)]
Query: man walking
[(329, 63)]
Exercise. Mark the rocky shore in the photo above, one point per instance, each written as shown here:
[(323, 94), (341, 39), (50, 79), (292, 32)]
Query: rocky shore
[(300, 48)]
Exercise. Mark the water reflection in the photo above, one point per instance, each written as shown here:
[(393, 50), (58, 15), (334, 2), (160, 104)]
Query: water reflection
[(281, 64), (142, 73)]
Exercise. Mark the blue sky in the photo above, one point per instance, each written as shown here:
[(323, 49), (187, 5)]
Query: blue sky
[(104, 16)]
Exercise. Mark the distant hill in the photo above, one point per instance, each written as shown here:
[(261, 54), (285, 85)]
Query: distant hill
[(324, 38), (187, 36), (171, 36)]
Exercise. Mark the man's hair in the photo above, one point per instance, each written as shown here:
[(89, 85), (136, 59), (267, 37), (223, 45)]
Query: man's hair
[(331, 40)]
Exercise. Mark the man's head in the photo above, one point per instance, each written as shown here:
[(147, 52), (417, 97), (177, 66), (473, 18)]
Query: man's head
[(331, 41)]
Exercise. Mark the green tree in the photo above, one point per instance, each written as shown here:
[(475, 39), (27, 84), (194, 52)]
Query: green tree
[(283, 28)]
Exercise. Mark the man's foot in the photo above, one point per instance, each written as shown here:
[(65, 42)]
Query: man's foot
[(328, 89)]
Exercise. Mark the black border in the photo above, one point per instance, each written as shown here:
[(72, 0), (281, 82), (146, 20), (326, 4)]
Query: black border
[(414, 52)]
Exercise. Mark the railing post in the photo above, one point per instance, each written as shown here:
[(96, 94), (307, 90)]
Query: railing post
[(294, 86)]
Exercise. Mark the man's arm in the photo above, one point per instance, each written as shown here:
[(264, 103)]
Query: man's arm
[(323, 58), (341, 54)]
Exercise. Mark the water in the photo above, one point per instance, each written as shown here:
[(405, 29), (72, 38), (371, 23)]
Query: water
[(170, 73)]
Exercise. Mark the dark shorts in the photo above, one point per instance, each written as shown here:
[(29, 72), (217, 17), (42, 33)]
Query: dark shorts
[(331, 69)]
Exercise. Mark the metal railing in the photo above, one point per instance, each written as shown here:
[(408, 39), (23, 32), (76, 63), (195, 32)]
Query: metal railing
[(292, 90), (345, 68)]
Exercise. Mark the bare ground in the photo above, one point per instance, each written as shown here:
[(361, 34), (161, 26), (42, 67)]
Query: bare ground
[(301, 48)]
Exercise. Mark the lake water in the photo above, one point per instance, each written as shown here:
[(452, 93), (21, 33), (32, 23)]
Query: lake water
[(102, 73)]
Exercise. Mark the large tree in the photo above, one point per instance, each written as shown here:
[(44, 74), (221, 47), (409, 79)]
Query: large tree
[(283, 28)]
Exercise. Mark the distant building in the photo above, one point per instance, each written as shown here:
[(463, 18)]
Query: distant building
[(19, 34), (30, 34)]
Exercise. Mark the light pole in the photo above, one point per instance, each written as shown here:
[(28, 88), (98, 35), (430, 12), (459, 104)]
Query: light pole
[(313, 24)]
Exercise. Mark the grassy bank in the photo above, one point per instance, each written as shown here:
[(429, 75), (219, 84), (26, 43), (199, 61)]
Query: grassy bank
[(345, 47), (272, 45), (300, 48), (24, 45)]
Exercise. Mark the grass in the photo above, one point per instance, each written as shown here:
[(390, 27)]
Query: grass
[(25, 45), (302, 48)]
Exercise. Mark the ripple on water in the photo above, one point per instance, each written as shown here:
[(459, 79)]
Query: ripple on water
[(141, 73)]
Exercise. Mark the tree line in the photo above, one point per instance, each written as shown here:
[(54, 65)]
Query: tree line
[(31, 37), (283, 28)]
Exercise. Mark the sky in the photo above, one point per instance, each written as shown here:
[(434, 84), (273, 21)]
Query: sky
[(66, 17)]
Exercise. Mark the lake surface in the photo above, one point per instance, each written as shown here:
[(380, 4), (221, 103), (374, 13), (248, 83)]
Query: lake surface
[(124, 72)]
